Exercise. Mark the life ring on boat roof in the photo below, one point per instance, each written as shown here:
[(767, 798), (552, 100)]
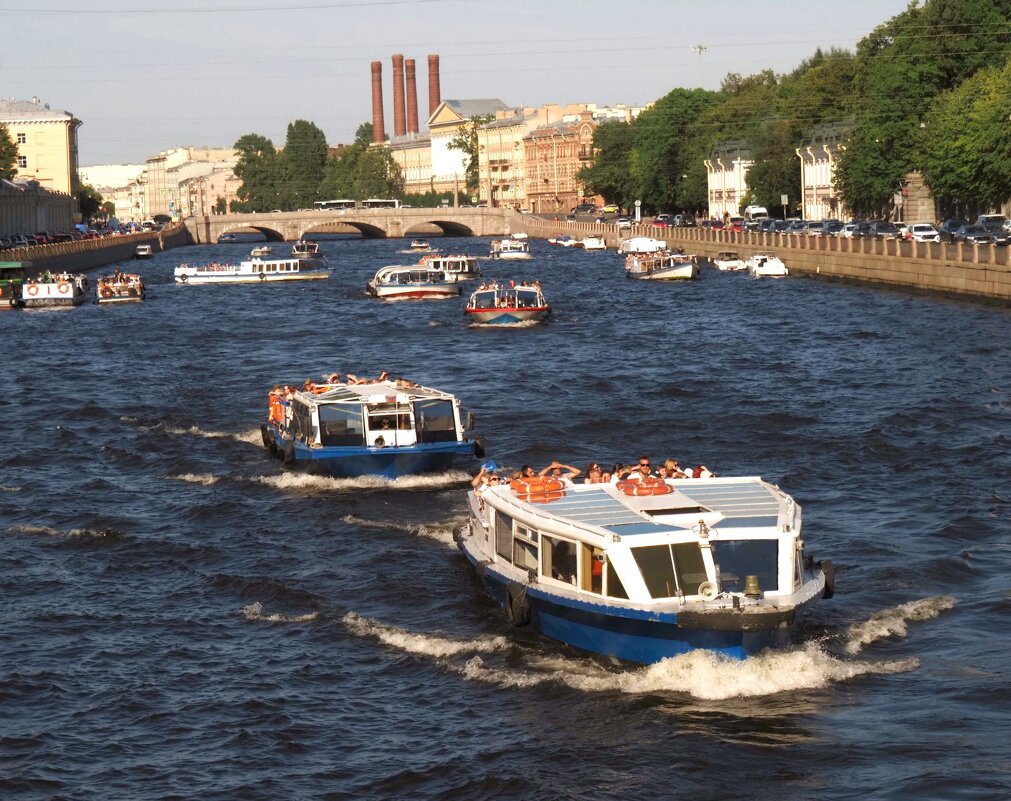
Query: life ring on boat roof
[(646, 486), (33, 289), (539, 489), (63, 287)]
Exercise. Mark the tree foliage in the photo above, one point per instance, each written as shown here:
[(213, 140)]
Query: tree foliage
[(466, 142), (363, 170), (8, 154), (90, 201), (304, 158), (259, 169)]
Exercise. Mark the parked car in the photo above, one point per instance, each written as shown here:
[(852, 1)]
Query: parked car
[(624, 223), (882, 229), (684, 220), (716, 225), (610, 208), (585, 208), (831, 227), (662, 221), (949, 227), (754, 225), (812, 228), (796, 226), (973, 235), (922, 232), (997, 232), (987, 219)]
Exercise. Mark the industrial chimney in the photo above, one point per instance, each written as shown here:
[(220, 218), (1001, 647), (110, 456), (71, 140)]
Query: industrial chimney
[(399, 113), (378, 124), (412, 97), (434, 92)]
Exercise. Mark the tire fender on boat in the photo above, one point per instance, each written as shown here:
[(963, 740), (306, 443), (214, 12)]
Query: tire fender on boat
[(268, 440), (826, 567), (517, 605), (289, 451), (479, 447)]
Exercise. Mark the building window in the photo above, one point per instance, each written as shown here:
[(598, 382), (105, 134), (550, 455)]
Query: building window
[(22, 139), (22, 161)]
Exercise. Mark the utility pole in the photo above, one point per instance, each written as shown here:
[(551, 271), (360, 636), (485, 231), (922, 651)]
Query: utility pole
[(700, 49)]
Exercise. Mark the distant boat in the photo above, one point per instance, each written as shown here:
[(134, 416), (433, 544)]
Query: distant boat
[(62, 289), (260, 251), (509, 249), (729, 261), (458, 265), (120, 288), (507, 305), (593, 243), (766, 265), (642, 244), (413, 282), (143, 252), (252, 271), (305, 250)]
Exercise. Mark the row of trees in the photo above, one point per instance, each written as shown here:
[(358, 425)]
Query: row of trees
[(928, 90)]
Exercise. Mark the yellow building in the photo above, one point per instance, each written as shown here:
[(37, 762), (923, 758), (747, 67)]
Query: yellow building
[(46, 140)]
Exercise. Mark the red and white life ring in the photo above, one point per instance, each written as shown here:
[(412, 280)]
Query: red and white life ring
[(646, 486), (63, 287)]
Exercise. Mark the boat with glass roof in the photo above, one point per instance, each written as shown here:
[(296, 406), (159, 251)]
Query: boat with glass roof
[(460, 266), (510, 249), (378, 428), (413, 282), (645, 572)]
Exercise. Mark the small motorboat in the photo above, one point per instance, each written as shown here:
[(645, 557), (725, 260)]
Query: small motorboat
[(729, 261), (252, 271), (593, 243), (664, 266), (564, 240), (641, 244), (645, 570), (413, 282), (260, 251), (120, 288), (228, 238), (766, 265), (510, 249), (143, 252), (48, 290), (507, 305), (421, 245), (377, 428)]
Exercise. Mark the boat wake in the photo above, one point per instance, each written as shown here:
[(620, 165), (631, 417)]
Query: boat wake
[(10, 489), (49, 531), (307, 482), (521, 324), (705, 675), (255, 612), (250, 437), (204, 479), (440, 532)]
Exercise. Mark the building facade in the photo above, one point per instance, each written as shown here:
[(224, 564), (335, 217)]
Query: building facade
[(449, 165), (553, 156), (818, 156), (46, 140), (727, 175), (27, 207)]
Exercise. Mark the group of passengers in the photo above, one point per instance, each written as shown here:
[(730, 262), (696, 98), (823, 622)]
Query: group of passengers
[(494, 285), (280, 396), (49, 277), (644, 469)]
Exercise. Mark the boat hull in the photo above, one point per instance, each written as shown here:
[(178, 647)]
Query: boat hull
[(355, 462), (252, 278), (417, 292), (681, 273), (519, 256), (507, 316)]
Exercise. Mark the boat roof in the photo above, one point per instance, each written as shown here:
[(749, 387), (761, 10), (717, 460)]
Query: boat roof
[(373, 392)]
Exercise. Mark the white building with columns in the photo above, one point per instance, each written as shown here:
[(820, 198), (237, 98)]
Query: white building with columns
[(818, 156), (727, 174)]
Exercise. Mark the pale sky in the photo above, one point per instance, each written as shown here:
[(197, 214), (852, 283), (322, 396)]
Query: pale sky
[(147, 76)]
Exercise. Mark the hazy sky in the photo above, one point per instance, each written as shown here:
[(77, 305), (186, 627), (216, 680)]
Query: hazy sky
[(146, 76)]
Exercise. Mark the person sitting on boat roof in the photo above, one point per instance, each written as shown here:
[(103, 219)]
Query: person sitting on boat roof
[(554, 470), (404, 383), (333, 378), (674, 469), (527, 471), (383, 376), (643, 470), (619, 473), (594, 476)]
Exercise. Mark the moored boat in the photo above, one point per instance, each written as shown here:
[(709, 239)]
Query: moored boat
[(664, 266), (62, 289), (143, 252), (766, 265), (120, 288), (507, 305), (642, 571), (378, 428), (459, 265), (12, 277), (251, 271), (593, 243), (729, 261), (510, 249), (641, 244), (413, 282), (421, 245)]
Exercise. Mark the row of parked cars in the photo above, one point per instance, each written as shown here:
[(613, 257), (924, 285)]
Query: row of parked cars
[(47, 238)]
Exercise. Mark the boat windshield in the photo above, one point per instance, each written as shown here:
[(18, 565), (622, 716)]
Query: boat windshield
[(436, 421), (341, 424), (736, 559), (671, 570)]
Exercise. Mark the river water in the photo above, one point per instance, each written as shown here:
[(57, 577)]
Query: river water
[(184, 618)]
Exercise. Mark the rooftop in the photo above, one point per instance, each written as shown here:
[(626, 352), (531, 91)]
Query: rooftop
[(12, 110)]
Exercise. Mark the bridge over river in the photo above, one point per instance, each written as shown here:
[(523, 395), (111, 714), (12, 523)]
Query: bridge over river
[(371, 223)]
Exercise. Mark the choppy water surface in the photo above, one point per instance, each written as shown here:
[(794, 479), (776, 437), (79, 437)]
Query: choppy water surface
[(183, 618)]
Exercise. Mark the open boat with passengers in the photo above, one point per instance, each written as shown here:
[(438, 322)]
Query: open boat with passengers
[(120, 287), (642, 571), (507, 305), (663, 266), (49, 290), (252, 271), (510, 249), (376, 428), (303, 249)]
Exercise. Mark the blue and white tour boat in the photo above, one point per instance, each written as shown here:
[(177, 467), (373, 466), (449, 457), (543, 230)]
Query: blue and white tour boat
[(510, 249), (677, 565), (458, 265), (375, 428)]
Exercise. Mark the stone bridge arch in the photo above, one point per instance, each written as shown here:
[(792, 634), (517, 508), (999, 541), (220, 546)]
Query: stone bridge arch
[(271, 234), (448, 227), (367, 230)]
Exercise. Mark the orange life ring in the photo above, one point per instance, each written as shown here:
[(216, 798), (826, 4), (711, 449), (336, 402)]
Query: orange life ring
[(105, 292), (539, 489), (63, 287), (33, 290), (646, 486)]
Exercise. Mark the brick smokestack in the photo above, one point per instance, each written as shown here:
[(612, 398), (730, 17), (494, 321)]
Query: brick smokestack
[(412, 97), (378, 124), (399, 114), (434, 92)]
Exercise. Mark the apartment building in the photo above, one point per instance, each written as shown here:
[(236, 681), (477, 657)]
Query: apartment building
[(46, 140)]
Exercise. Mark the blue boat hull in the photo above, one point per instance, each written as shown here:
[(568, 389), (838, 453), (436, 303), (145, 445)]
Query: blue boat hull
[(626, 634), (354, 462)]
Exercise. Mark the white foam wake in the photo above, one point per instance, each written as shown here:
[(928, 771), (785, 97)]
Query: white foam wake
[(251, 437), (49, 531), (432, 645), (204, 479), (440, 532), (255, 612), (894, 622), (307, 481), (9, 489)]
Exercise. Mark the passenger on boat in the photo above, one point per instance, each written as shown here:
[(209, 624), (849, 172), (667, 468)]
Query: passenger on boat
[(619, 472), (404, 383), (554, 470), (605, 477), (593, 476), (333, 378), (527, 472), (641, 472), (383, 376)]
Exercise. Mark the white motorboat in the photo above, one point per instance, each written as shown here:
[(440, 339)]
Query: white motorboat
[(642, 571), (413, 282), (729, 261), (143, 252), (260, 251), (641, 244), (510, 249), (306, 250), (665, 266), (252, 271), (593, 243), (62, 289), (766, 265)]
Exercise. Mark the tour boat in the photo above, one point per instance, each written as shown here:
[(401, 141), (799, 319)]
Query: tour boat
[(593, 243), (729, 261), (766, 265), (399, 282), (63, 289), (380, 428), (458, 265), (143, 252), (510, 249), (497, 305), (306, 250), (664, 266), (120, 288), (641, 244), (643, 571), (251, 272), (260, 251)]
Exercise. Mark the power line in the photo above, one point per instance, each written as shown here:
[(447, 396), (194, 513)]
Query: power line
[(230, 10)]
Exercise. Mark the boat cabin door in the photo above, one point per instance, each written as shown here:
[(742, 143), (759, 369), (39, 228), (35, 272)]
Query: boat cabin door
[(390, 425)]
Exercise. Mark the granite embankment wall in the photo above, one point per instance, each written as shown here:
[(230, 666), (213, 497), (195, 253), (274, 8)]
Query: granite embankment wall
[(971, 271), (88, 254)]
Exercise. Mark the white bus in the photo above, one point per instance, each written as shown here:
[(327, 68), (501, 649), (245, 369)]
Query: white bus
[(333, 205), (380, 203)]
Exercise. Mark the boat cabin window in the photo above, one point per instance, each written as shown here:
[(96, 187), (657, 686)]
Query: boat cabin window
[(558, 559), (435, 420), (484, 300), (671, 570), (615, 589), (525, 548), (736, 559), (301, 423), (341, 424), (591, 568), (504, 536)]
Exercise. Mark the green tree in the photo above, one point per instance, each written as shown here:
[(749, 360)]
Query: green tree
[(610, 173), (466, 142), (776, 171), (220, 205), (362, 170), (260, 169), (8, 154), (304, 158), (363, 135), (90, 201)]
